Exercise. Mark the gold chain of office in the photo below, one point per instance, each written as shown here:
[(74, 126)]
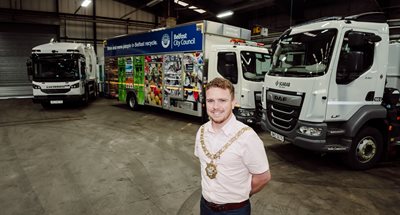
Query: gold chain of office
[(211, 169)]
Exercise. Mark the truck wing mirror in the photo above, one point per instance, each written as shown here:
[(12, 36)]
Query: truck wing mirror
[(374, 38), (356, 39)]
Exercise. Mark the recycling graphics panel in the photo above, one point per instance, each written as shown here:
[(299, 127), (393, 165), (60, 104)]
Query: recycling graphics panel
[(186, 38)]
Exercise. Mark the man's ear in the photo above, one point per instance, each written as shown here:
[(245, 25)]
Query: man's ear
[(234, 102)]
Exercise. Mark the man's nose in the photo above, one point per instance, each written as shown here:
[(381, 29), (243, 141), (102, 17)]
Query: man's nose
[(217, 104)]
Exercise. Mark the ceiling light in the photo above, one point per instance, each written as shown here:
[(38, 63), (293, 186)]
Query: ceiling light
[(192, 7), (181, 3), (225, 14), (154, 2), (200, 11), (86, 3)]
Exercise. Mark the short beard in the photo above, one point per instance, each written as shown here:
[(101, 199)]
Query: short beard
[(217, 122), (222, 120)]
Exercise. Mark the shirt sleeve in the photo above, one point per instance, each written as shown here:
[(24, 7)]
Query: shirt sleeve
[(254, 155)]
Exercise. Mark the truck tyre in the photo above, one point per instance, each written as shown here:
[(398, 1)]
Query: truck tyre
[(365, 150), (131, 101)]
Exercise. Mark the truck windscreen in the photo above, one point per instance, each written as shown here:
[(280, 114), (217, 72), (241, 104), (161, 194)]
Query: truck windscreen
[(255, 65), (306, 54), (55, 67)]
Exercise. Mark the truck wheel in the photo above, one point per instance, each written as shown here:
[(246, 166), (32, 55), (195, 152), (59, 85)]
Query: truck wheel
[(365, 150), (131, 101)]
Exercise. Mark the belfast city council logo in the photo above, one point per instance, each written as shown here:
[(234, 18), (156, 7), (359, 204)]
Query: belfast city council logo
[(165, 40)]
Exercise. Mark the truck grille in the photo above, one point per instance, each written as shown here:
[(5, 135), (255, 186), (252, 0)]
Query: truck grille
[(283, 110), (52, 91)]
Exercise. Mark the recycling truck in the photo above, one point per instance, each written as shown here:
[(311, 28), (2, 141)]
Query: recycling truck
[(62, 72), (168, 68), (333, 87)]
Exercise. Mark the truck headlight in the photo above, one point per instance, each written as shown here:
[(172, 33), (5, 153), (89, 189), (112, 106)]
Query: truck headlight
[(246, 112), (310, 131), (75, 85), (35, 86)]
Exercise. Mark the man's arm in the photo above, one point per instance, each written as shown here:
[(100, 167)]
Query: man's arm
[(258, 181)]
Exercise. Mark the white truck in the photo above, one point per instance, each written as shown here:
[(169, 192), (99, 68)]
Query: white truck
[(168, 68), (62, 72), (333, 87)]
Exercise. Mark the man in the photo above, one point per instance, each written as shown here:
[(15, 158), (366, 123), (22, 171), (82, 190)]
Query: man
[(233, 161)]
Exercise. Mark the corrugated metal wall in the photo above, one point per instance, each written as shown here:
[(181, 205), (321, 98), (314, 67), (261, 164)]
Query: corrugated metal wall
[(16, 42), (42, 20)]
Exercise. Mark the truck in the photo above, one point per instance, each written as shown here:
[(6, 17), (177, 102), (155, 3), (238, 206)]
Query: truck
[(333, 87), (168, 68), (62, 72)]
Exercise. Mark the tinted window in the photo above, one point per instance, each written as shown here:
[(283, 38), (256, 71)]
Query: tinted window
[(354, 60), (227, 66)]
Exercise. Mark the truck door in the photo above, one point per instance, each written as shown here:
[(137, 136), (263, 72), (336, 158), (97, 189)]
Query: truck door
[(354, 83), (226, 63)]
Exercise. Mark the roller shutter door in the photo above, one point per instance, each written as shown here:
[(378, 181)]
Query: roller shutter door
[(16, 43)]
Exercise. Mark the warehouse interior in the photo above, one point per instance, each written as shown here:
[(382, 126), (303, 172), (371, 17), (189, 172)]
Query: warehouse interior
[(106, 156), (68, 21)]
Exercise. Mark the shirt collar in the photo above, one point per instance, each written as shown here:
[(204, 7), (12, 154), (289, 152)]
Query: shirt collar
[(228, 128)]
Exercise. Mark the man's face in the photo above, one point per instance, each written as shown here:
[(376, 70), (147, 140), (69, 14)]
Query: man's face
[(219, 104)]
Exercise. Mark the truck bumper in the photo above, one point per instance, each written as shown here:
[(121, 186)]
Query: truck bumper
[(341, 145), (248, 120), (64, 98), (326, 142), (246, 117)]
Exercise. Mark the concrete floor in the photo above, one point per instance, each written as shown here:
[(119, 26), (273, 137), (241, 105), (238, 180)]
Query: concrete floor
[(106, 159)]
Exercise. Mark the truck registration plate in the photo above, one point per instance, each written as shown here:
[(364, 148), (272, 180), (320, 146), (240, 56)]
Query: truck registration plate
[(277, 136), (56, 101)]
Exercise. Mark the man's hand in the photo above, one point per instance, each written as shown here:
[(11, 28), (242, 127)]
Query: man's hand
[(258, 181)]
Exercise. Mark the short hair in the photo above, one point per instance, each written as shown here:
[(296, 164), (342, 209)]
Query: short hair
[(223, 84)]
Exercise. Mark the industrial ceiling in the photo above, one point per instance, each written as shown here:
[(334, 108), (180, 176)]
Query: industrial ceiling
[(247, 12)]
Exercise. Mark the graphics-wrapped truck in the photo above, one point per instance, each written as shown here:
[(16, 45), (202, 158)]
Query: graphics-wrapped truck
[(62, 72), (333, 87), (168, 68)]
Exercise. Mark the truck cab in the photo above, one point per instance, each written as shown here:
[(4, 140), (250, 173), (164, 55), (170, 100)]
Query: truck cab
[(325, 89), (62, 72), (245, 66)]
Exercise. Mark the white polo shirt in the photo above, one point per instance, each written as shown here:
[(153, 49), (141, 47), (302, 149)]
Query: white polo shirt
[(246, 156)]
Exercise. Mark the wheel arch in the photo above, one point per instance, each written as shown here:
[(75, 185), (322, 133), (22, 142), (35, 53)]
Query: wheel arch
[(129, 95), (370, 115)]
